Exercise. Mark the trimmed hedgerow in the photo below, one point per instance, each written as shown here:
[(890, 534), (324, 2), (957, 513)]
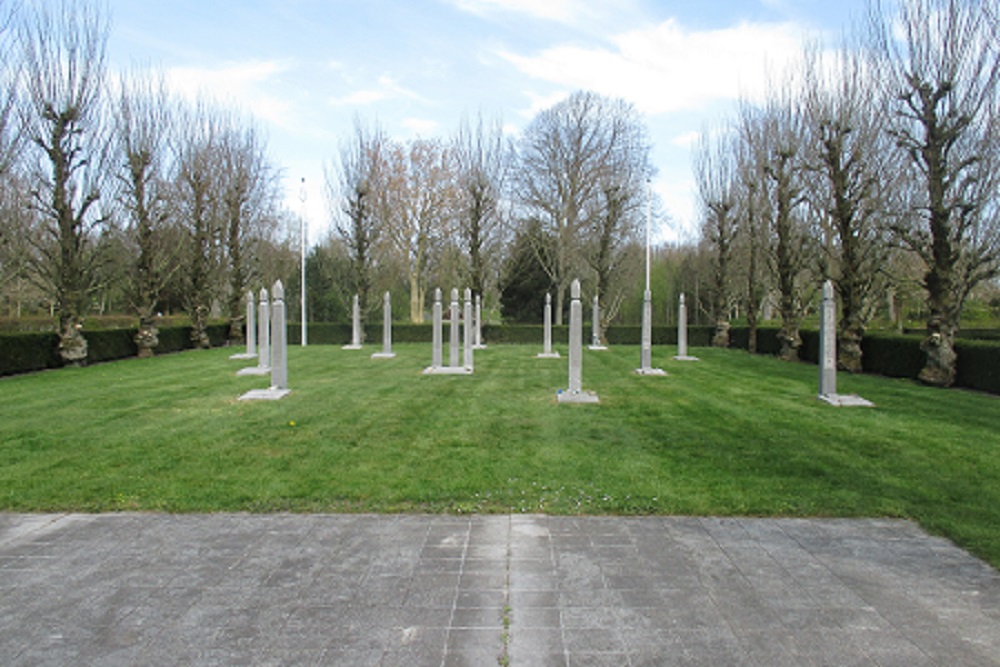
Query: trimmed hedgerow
[(978, 365), (892, 355), (110, 344), (23, 353), (28, 352)]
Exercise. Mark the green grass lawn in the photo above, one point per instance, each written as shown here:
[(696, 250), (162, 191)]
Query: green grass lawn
[(731, 434)]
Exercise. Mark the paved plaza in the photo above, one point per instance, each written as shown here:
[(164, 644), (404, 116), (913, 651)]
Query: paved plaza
[(152, 589)]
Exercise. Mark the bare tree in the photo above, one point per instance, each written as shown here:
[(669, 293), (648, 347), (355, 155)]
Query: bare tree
[(143, 123), (753, 219), (248, 188), (63, 50), (715, 167), (483, 162), (776, 134), (940, 61), (418, 190), (10, 79), (612, 240), (852, 162), (355, 189), (568, 162), (195, 180)]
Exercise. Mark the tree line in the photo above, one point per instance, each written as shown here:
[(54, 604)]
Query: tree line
[(877, 166), (113, 189), (509, 217)]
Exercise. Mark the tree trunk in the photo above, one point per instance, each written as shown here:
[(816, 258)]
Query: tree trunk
[(147, 338), (72, 344), (721, 336), (199, 328), (849, 348)]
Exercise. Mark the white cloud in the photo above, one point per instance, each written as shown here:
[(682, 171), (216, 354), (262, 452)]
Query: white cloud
[(542, 102), (421, 126), (685, 140), (238, 82), (553, 10), (666, 68), (386, 88)]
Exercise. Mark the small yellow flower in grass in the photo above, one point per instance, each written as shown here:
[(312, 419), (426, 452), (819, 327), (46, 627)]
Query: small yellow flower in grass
[(291, 423)]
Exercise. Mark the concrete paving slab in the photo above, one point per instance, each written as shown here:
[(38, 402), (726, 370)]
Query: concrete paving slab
[(360, 590)]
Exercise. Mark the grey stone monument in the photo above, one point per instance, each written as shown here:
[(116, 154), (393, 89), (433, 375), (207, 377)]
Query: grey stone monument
[(682, 333), (278, 350), (828, 355), (453, 332), (386, 352), (436, 367), (436, 356), (263, 366), (251, 329), (477, 342), (595, 337), (355, 325), (646, 356), (468, 327), (547, 352), (574, 392)]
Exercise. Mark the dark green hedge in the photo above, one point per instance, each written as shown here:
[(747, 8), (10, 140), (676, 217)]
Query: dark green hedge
[(978, 365), (892, 355), (24, 353), (767, 339)]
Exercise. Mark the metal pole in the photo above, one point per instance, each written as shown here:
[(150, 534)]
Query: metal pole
[(302, 197), (649, 216)]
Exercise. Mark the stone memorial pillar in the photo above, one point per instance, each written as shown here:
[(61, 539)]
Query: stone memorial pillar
[(477, 343), (595, 337), (436, 342), (264, 330), (467, 329), (279, 338), (386, 352), (574, 392), (646, 355), (828, 355), (453, 367), (453, 338), (682, 333), (251, 330), (547, 352), (278, 351), (828, 342), (355, 325)]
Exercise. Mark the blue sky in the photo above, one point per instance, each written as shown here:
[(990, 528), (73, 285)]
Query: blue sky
[(306, 68)]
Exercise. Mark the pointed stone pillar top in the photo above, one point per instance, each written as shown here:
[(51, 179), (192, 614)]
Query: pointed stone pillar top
[(278, 291)]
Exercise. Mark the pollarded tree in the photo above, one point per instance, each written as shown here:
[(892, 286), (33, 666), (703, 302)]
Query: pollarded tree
[(777, 136), (940, 64), (715, 167), (62, 47), (143, 122), (195, 181), (752, 224), (248, 189), (852, 163)]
